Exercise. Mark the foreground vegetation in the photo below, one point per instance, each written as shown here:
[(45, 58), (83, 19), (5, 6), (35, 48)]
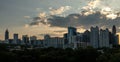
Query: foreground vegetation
[(60, 55)]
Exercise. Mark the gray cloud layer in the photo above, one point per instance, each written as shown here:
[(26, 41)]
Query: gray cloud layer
[(77, 20)]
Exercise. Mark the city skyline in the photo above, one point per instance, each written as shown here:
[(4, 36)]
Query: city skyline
[(95, 37), (36, 18)]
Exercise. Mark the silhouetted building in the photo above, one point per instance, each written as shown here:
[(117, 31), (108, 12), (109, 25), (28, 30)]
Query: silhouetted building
[(10, 41), (39, 43), (65, 40), (6, 34), (46, 40), (79, 42), (115, 38), (86, 37), (53, 42), (15, 41), (71, 31), (104, 38), (94, 37), (33, 40), (25, 39), (114, 29)]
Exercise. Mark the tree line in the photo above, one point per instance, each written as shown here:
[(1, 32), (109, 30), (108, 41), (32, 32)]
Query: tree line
[(51, 54)]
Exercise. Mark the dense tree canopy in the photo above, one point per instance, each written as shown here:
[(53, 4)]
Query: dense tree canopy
[(51, 54)]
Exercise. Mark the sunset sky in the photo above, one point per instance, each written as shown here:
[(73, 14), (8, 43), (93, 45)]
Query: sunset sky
[(39, 17)]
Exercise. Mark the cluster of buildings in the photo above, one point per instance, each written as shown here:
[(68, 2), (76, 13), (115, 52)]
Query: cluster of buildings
[(94, 37)]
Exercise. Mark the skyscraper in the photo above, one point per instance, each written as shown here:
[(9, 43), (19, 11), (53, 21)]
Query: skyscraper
[(86, 37), (25, 39), (33, 40), (114, 29), (53, 42), (6, 34), (104, 40), (94, 37), (46, 40), (71, 32), (115, 40), (15, 39)]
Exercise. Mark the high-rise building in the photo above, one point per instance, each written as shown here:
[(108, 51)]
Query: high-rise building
[(6, 34), (15, 41), (114, 29), (71, 32), (104, 40), (33, 40), (46, 40), (115, 40), (53, 42), (94, 37), (86, 37), (80, 41), (25, 39)]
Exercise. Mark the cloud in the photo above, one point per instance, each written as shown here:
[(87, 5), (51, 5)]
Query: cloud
[(102, 6), (95, 13), (41, 18), (78, 20), (59, 10), (42, 15)]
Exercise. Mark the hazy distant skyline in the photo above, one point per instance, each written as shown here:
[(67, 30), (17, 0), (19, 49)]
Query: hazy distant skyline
[(33, 17)]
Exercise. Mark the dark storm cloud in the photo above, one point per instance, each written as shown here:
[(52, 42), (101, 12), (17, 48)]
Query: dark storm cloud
[(76, 20)]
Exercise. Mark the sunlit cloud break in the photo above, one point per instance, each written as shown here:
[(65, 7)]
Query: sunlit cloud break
[(101, 6), (60, 10)]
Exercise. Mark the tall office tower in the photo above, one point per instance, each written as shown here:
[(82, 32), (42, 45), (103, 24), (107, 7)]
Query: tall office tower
[(79, 41), (104, 38), (86, 37), (6, 34), (65, 39), (114, 36), (25, 39), (56, 42), (114, 29), (46, 40), (71, 32), (117, 39), (33, 40), (15, 41), (94, 37)]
